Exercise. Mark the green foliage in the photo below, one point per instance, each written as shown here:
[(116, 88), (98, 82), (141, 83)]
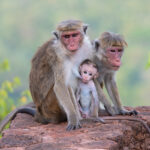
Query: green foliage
[(4, 66), (148, 63), (7, 88)]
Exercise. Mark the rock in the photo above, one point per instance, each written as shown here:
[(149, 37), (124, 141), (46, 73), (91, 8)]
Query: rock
[(26, 134)]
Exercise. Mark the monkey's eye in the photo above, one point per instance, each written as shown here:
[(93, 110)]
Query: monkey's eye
[(90, 74), (75, 35), (119, 50), (112, 50), (66, 36), (85, 72)]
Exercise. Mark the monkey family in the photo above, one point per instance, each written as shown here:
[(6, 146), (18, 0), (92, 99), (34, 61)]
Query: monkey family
[(54, 76)]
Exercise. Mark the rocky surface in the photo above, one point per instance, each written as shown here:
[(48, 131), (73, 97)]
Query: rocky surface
[(25, 134)]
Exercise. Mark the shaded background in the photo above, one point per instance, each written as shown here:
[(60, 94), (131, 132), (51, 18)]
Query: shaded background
[(27, 24)]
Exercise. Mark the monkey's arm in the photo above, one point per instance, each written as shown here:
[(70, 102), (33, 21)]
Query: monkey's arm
[(11, 115), (103, 98), (75, 101), (76, 72), (78, 93), (112, 89), (64, 98)]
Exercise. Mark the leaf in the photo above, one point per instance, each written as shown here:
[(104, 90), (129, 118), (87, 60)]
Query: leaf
[(16, 81), (4, 66), (7, 85), (23, 99), (3, 94), (26, 93)]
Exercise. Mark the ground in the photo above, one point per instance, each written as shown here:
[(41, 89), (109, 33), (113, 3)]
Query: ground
[(26, 134)]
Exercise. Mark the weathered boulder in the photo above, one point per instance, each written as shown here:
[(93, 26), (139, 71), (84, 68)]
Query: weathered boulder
[(25, 134)]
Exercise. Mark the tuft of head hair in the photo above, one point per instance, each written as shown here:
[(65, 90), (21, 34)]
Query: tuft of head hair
[(69, 25), (109, 39), (89, 62)]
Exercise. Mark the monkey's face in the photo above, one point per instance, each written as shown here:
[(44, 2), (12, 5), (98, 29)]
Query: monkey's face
[(71, 40), (88, 72), (113, 56)]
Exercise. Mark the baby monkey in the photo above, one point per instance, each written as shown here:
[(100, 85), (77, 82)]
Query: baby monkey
[(86, 93)]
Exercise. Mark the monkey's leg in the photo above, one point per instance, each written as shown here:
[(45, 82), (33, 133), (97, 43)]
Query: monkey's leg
[(65, 101), (103, 99), (94, 109), (114, 95), (49, 111)]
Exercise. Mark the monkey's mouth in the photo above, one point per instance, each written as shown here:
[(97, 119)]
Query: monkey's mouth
[(73, 47), (115, 67), (84, 81), (72, 51)]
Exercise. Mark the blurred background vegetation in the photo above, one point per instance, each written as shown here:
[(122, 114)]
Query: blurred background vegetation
[(26, 24)]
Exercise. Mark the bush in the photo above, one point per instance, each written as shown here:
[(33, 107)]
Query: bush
[(7, 88)]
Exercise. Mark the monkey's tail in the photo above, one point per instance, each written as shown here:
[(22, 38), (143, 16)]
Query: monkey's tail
[(13, 114), (130, 119)]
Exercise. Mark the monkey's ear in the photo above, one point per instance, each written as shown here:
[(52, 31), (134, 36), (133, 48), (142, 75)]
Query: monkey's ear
[(80, 67), (96, 44), (96, 75), (85, 27), (55, 33)]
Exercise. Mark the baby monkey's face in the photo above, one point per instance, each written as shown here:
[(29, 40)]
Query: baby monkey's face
[(88, 72)]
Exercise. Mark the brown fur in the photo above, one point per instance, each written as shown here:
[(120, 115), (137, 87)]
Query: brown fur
[(109, 39), (70, 25)]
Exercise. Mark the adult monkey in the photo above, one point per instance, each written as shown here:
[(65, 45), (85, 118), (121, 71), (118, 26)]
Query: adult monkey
[(52, 80), (53, 76), (109, 49)]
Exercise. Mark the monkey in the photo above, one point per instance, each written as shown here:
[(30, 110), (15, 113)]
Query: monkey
[(86, 93), (109, 49), (52, 82)]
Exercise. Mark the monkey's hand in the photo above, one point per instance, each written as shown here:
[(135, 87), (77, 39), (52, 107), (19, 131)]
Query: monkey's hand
[(73, 124), (76, 73)]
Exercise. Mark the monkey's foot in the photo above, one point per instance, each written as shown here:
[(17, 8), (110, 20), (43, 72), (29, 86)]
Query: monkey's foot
[(73, 127), (98, 119), (126, 112)]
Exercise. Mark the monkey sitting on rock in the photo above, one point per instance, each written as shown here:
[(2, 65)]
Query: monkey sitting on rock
[(51, 81), (109, 50), (86, 93)]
